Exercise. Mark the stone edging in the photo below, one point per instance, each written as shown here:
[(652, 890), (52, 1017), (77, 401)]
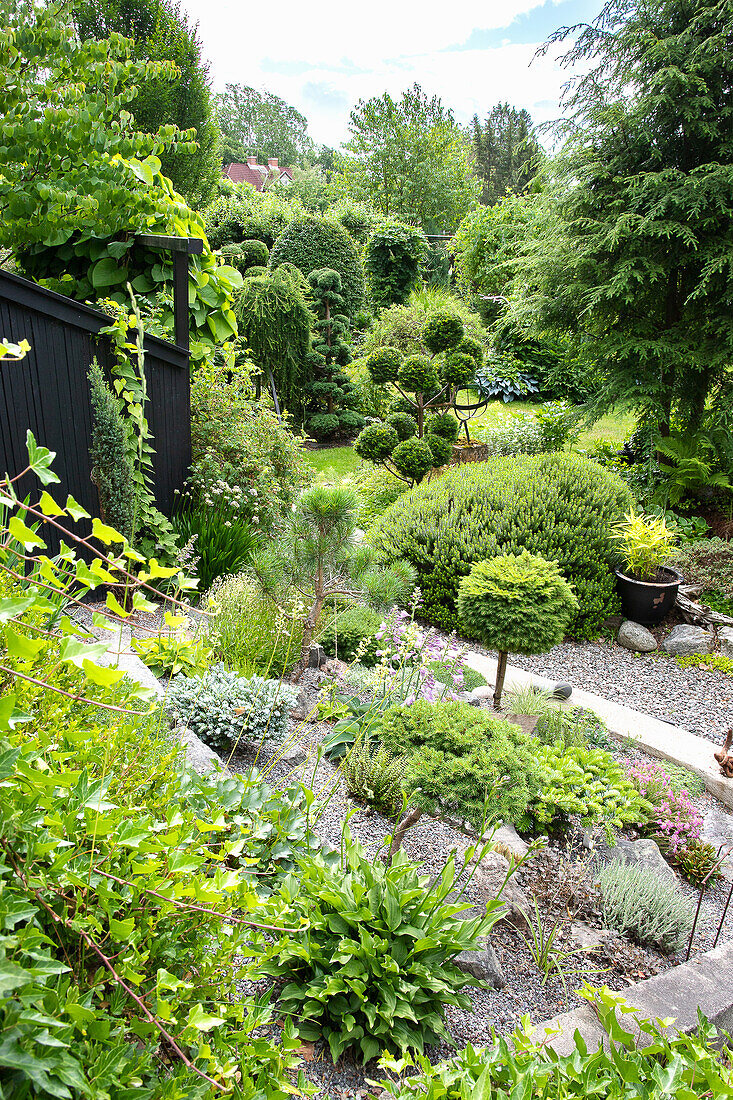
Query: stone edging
[(659, 739), (199, 757), (706, 982)]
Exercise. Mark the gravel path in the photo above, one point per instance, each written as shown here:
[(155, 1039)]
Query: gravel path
[(698, 699)]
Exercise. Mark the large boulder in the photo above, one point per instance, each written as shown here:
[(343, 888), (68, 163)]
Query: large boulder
[(642, 853), (487, 882), (725, 640), (684, 640), (482, 965), (636, 637)]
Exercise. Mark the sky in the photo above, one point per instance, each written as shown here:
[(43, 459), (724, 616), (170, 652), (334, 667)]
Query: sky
[(323, 57)]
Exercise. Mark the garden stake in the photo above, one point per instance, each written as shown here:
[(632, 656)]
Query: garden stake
[(703, 885)]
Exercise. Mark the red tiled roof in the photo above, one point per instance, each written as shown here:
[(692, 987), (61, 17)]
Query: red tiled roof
[(254, 174)]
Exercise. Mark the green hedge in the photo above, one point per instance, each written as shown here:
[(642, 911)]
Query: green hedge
[(312, 243), (559, 506)]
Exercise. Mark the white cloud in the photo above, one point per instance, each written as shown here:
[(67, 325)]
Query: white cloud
[(327, 57)]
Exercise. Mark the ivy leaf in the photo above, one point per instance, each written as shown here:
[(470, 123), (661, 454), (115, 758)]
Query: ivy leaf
[(75, 510), (104, 533), (202, 1021), (27, 538), (102, 675), (40, 459), (12, 607), (18, 645), (48, 505)]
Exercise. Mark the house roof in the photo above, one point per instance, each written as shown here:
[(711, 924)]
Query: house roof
[(255, 174)]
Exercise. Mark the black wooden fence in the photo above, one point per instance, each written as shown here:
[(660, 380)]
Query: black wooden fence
[(48, 392)]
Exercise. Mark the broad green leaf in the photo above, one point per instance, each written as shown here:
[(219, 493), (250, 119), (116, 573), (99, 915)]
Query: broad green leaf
[(75, 509), (40, 459), (22, 647), (11, 608), (102, 675), (201, 1020), (114, 605)]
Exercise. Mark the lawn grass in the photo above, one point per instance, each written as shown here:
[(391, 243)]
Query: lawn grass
[(337, 461), (616, 427)]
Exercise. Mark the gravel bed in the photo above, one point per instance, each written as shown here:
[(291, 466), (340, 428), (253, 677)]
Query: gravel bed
[(698, 699), (560, 878)]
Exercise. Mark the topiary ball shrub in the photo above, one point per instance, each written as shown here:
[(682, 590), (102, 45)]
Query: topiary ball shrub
[(376, 442), (404, 424), (458, 369), (312, 242), (440, 448), (559, 506), (323, 424), (443, 424), (226, 710), (417, 374), (255, 271), (515, 603), (344, 635), (457, 756), (351, 421), (384, 365), (469, 346), (413, 459), (442, 331)]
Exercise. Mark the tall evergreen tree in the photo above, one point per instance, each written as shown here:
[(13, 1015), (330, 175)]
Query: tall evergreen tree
[(161, 32), (635, 253), (507, 154)]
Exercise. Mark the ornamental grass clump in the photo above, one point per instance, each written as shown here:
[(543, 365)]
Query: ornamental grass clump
[(515, 603)]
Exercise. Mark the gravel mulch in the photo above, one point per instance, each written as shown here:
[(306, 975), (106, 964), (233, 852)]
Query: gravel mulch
[(698, 699)]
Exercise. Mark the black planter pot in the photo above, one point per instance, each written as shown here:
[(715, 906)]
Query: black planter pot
[(648, 602)]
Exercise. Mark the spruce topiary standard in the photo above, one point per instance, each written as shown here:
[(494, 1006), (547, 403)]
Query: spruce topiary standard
[(112, 470), (332, 395), (515, 603), (311, 243)]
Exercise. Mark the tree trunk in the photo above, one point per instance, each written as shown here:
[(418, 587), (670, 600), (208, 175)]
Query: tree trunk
[(398, 836), (500, 674), (309, 627)]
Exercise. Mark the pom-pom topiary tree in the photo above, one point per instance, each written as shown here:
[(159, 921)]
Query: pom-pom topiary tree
[(312, 243), (515, 603), (424, 384), (331, 393)]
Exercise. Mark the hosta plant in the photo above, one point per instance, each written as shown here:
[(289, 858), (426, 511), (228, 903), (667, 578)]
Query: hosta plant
[(372, 965)]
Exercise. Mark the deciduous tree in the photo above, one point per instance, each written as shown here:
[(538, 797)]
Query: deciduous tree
[(409, 159), (262, 125)]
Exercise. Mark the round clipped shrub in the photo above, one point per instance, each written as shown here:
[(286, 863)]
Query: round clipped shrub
[(404, 424), (226, 710), (350, 421), (470, 346), (560, 506), (323, 424), (515, 603), (459, 369), (343, 636), (255, 253), (413, 459), (440, 448), (460, 756), (255, 271), (443, 424), (376, 442), (417, 374), (384, 364), (311, 243), (442, 331)]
